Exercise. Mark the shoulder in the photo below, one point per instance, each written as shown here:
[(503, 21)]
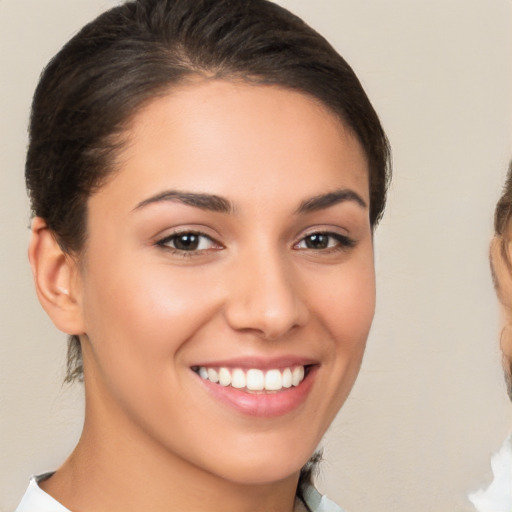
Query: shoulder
[(36, 500)]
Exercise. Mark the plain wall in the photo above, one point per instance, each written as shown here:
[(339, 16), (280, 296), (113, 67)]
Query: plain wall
[(429, 406)]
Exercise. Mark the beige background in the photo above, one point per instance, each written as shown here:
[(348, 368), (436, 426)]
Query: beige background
[(429, 406)]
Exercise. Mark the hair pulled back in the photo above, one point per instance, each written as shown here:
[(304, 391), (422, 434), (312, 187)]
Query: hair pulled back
[(137, 51)]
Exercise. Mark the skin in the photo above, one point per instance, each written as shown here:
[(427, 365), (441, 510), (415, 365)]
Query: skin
[(503, 286), (154, 438)]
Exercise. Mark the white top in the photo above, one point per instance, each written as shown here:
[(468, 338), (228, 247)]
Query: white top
[(498, 496), (36, 500)]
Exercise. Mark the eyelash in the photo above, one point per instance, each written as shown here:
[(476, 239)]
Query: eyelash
[(165, 242), (341, 242)]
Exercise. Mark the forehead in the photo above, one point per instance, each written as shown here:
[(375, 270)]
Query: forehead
[(231, 137)]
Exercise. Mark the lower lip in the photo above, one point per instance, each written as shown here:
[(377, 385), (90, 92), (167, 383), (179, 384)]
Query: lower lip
[(263, 405)]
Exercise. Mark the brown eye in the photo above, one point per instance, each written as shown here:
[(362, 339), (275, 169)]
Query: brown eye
[(188, 242), (317, 241), (325, 241)]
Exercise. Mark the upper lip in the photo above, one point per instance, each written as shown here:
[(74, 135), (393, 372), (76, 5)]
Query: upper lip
[(259, 362)]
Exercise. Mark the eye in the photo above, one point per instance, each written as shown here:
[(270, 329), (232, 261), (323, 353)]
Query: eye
[(325, 241), (188, 241)]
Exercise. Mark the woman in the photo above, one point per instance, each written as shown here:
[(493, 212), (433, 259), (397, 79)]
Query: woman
[(205, 177), (498, 496)]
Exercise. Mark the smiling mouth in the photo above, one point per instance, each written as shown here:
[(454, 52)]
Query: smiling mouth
[(254, 380)]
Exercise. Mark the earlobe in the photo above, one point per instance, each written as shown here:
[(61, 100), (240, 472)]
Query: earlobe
[(56, 279)]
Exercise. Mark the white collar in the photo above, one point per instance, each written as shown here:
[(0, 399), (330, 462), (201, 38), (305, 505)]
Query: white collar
[(36, 499)]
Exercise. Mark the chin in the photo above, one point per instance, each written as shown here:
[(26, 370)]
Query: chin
[(264, 474), (263, 470)]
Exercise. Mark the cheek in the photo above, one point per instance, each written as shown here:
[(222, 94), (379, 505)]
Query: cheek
[(348, 303), (348, 313), (143, 308), (345, 304), (506, 340), (138, 320)]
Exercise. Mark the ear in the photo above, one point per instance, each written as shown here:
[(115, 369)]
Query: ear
[(56, 279), (499, 255)]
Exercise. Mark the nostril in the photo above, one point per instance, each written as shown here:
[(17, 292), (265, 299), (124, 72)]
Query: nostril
[(263, 299)]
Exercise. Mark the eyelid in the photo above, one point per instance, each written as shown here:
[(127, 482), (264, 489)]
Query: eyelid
[(184, 228), (164, 241), (345, 242)]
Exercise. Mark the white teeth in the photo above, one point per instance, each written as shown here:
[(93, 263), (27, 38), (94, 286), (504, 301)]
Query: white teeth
[(213, 376), (297, 375), (287, 378), (238, 379), (224, 377), (273, 380), (254, 379)]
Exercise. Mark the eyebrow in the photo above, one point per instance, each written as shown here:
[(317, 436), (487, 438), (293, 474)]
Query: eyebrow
[(324, 201), (208, 202), (214, 203)]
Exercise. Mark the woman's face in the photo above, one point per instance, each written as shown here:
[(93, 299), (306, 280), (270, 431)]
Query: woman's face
[(503, 285), (233, 244)]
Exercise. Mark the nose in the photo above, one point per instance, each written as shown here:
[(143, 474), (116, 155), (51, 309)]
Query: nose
[(265, 297)]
